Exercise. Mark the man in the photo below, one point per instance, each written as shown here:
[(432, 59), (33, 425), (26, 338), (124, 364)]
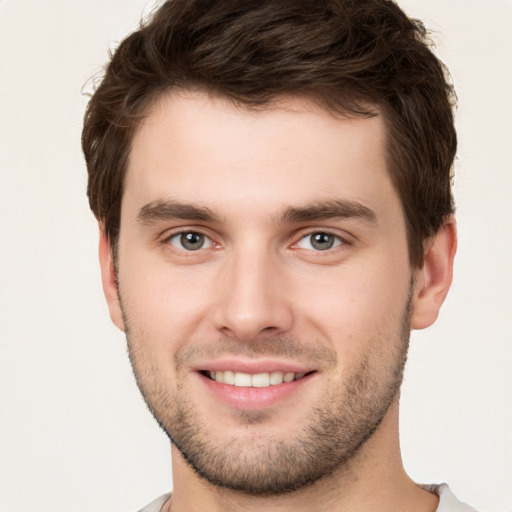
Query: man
[(272, 185)]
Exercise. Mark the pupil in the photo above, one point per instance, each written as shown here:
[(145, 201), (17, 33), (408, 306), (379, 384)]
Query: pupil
[(322, 241), (192, 241)]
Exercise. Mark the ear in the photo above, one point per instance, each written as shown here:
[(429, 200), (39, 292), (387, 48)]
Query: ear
[(108, 278), (433, 280)]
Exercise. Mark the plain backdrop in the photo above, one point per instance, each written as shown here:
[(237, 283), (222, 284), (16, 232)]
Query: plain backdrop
[(74, 432)]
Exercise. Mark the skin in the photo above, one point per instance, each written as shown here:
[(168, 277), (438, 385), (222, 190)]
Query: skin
[(258, 293)]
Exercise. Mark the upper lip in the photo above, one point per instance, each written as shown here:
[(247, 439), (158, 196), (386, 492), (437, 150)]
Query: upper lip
[(254, 366)]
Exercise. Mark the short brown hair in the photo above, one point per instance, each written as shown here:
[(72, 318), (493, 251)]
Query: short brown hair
[(342, 54)]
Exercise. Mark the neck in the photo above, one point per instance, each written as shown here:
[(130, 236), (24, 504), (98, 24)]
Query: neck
[(374, 479)]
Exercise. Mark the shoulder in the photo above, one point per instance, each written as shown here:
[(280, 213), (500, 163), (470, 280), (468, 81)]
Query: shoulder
[(156, 506), (447, 500)]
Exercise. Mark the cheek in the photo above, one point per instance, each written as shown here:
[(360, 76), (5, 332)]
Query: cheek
[(166, 304), (353, 306)]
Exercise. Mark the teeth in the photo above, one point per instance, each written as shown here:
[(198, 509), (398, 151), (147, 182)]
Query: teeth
[(258, 380), (276, 378), (229, 377), (288, 377), (242, 380)]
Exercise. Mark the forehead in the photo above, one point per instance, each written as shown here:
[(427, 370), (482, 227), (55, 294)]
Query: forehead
[(194, 147)]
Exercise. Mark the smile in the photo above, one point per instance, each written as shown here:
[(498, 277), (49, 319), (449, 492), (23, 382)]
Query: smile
[(258, 380)]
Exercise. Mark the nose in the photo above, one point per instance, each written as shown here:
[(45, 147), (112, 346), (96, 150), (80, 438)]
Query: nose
[(252, 300)]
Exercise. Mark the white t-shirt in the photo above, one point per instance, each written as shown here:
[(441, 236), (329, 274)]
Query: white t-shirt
[(447, 501)]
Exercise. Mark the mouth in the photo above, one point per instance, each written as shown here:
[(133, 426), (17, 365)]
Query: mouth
[(257, 380), (251, 386)]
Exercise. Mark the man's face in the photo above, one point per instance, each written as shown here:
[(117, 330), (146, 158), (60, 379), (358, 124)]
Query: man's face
[(265, 286)]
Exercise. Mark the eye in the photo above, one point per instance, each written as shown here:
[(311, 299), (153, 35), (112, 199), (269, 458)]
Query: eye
[(320, 241), (190, 241)]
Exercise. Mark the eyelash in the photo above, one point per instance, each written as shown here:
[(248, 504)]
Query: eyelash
[(180, 234), (338, 241)]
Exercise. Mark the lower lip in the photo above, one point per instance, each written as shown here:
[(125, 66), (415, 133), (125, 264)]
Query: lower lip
[(253, 398)]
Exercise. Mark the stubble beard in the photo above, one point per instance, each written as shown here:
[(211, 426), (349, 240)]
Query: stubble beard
[(348, 414)]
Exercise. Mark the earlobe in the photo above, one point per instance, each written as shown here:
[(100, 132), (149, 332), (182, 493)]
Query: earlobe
[(108, 278), (433, 280)]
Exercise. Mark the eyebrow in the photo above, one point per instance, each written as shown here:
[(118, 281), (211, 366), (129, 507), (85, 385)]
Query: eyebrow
[(168, 209), (163, 209), (342, 209)]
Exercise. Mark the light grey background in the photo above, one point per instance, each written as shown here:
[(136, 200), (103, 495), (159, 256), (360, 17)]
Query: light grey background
[(74, 433)]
